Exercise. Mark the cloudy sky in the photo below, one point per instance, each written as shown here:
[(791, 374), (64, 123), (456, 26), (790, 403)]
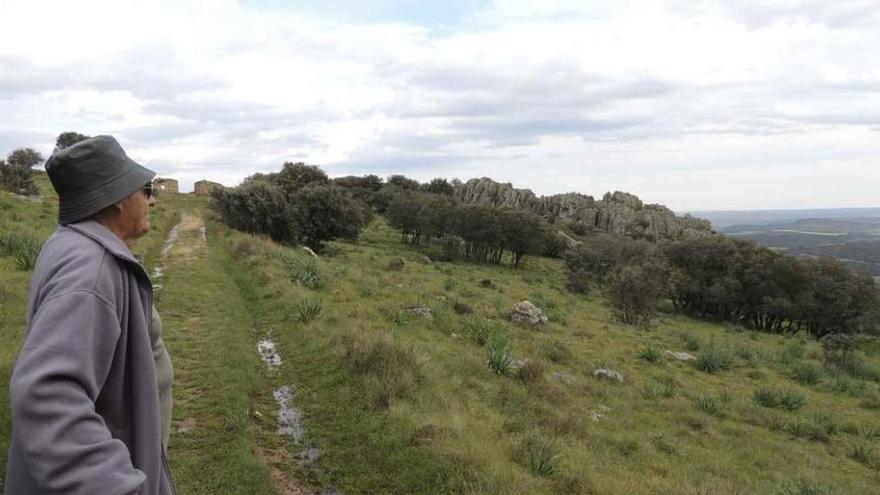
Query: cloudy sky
[(694, 104)]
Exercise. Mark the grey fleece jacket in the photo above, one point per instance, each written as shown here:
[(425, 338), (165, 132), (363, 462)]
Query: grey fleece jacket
[(85, 407)]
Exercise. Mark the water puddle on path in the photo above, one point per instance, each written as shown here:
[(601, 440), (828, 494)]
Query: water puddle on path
[(289, 417), (159, 270), (269, 353)]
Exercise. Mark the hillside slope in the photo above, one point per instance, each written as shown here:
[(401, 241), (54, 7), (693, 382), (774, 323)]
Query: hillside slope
[(395, 401)]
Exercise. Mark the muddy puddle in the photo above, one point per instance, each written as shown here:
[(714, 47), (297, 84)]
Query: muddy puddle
[(159, 270), (268, 350), (289, 417)]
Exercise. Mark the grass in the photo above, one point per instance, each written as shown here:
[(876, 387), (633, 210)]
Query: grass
[(401, 404)]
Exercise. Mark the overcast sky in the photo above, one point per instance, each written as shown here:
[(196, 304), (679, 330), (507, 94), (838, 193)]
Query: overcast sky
[(694, 104)]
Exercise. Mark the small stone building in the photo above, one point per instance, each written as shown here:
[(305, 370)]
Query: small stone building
[(163, 184), (206, 187)]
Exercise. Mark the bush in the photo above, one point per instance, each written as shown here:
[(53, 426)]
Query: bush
[(786, 400), (863, 452), (542, 458), (807, 374), (714, 359), (17, 174), (500, 360), (391, 364), (301, 270), (323, 212), (634, 291), (450, 247), (555, 351), (481, 329), (709, 404), (841, 384), (690, 341), (805, 487), (23, 248), (530, 371), (656, 388), (307, 310), (651, 354)]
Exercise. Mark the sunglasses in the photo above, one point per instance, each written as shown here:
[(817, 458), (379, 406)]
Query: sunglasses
[(148, 190)]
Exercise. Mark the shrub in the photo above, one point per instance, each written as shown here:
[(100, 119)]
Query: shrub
[(530, 371), (863, 452), (714, 359), (791, 353), (500, 359), (460, 307), (767, 397), (244, 247), (634, 292), (555, 351), (690, 341), (844, 385), (709, 404), (657, 388), (301, 270), (397, 316), (787, 400), (651, 354), (17, 174), (805, 487), (837, 349), (542, 458), (819, 428), (792, 401), (481, 329), (307, 310), (391, 364), (23, 248), (450, 247), (806, 374)]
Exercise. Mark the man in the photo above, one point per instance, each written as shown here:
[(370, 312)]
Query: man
[(85, 401)]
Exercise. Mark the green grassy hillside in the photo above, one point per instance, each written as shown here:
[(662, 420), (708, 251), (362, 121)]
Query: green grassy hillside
[(397, 402)]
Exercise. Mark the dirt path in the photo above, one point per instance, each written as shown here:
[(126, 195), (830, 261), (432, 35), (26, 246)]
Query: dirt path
[(188, 249)]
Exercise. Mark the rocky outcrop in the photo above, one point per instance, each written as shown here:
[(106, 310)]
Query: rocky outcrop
[(615, 213), (486, 191)]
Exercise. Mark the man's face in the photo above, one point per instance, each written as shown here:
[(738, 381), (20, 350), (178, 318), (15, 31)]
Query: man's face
[(135, 214)]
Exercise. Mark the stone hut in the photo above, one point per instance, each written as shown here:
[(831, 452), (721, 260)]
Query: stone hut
[(205, 187), (163, 184)]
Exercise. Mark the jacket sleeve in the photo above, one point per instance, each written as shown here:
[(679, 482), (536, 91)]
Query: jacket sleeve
[(62, 366)]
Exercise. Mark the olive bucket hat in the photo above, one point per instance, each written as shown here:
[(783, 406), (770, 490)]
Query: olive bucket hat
[(92, 175)]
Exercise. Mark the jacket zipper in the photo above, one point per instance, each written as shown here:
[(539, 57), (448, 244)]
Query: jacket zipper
[(168, 472)]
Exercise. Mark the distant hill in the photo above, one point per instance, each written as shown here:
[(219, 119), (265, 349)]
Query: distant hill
[(851, 235)]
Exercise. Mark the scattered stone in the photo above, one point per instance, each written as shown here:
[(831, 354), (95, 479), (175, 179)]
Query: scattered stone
[(461, 308), (596, 416), (486, 283), (563, 377), (681, 356), (421, 311), (528, 313), (186, 425), (608, 374), (289, 417), (310, 251), (396, 264), (604, 407), (516, 364), (454, 336), (427, 259)]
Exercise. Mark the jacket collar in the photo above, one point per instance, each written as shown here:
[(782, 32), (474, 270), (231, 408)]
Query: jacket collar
[(103, 236)]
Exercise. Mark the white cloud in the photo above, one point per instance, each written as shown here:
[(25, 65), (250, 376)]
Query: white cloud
[(698, 105)]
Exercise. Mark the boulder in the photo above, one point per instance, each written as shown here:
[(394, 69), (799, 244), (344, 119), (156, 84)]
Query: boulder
[(396, 264), (608, 374), (527, 313), (486, 283)]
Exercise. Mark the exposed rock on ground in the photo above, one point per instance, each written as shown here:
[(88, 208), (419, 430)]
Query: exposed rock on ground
[(680, 356), (608, 374), (527, 313), (420, 311)]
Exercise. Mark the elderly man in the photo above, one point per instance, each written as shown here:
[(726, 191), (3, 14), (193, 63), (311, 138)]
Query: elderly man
[(91, 387)]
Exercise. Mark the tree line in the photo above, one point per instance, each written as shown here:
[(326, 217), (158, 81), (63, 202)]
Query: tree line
[(476, 232), (726, 279)]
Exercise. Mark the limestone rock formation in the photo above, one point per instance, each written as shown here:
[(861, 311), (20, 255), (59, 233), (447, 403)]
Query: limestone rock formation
[(608, 374), (616, 213)]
